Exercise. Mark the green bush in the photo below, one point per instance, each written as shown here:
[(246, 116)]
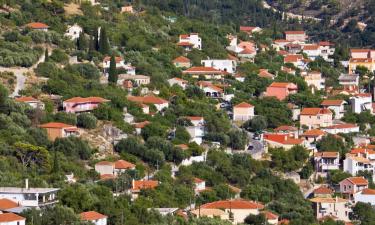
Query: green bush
[(86, 120)]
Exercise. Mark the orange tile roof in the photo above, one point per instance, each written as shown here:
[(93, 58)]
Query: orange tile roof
[(358, 180), (327, 154), (141, 124), (86, 100), (181, 59), (183, 146), (368, 191), (194, 118), (341, 126), (280, 84), (243, 105), (295, 32), (184, 36), (92, 215), (283, 139), (202, 70), (359, 50), (37, 25), (286, 128), (281, 41), (264, 73), (292, 58), (233, 204), (247, 51), (332, 102), (10, 217), (149, 99), (313, 133), (270, 216), (122, 164), (197, 180), (311, 47), (118, 59), (7, 204), (247, 28), (145, 184), (283, 222), (56, 125), (104, 163), (323, 190), (179, 79), (107, 177), (315, 111), (184, 43), (26, 99)]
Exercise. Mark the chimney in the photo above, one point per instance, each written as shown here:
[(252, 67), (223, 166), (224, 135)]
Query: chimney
[(27, 184)]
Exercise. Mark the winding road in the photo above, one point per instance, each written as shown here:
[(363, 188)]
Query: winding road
[(20, 72)]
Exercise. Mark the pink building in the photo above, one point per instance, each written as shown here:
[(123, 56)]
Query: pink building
[(281, 90), (78, 104), (352, 185)]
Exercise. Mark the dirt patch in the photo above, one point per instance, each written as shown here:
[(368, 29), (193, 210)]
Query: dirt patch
[(72, 9)]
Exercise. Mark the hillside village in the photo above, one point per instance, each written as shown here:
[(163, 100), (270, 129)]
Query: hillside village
[(121, 113)]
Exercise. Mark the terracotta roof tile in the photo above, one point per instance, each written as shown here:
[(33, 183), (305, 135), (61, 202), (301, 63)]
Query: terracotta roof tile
[(181, 59), (341, 126), (233, 204), (144, 184), (358, 180), (7, 204), (26, 99), (313, 133), (243, 105), (323, 190), (86, 100), (104, 163), (197, 180), (368, 191), (332, 102), (141, 124), (10, 217), (37, 25), (327, 154), (315, 111), (122, 164), (202, 70), (149, 99), (270, 216), (295, 32), (286, 128), (92, 215), (56, 125)]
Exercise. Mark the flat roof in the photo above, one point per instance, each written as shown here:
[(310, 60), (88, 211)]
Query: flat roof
[(17, 190)]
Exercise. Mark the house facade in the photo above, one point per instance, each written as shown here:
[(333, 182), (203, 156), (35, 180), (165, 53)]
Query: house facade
[(94, 218), (281, 90), (326, 161), (344, 128), (331, 207), (243, 112), (59, 130), (352, 185), (366, 196), (226, 65), (337, 106), (159, 103), (206, 72), (314, 80), (361, 102), (189, 41), (178, 81), (299, 36), (79, 104), (11, 219), (182, 62), (316, 117), (31, 101), (73, 32)]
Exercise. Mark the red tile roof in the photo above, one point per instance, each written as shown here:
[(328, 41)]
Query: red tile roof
[(202, 70), (281, 84), (56, 125), (122, 164), (233, 204), (342, 126), (104, 163), (118, 59), (264, 73), (92, 215), (292, 58), (358, 180), (10, 217), (315, 111), (368, 191), (325, 43), (327, 154), (313, 133), (197, 180), (243, 105), (295, 32), (246, 28), (141, 124), (26, 99), (145, 184), (322, 190), (181, 59), (332, 102), (270, 216), (184, 43), (310, 47), (86, 100), (7, 204), (194, 118), (283, 139), (37, 25), (149, 99), (286, 128), (183, 146)]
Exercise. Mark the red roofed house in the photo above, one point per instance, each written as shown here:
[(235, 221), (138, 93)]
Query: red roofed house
[(139, 185), (281, 90), (323, 192), (38, 26), (285, 129), (296, 60), (211, 90), (238, 209), (196, 131), (344, 128), (182, 62), (312, 51), (352, 185), (113, 168), (316, 117), (366, 196), (178, 81), (199, 185), (271, 217), (32, 102), (282, 140), (120, 62), (94, 217), (139, 126), (326, 161), (326, 49), (11, 219), (206, 72), (314, 80), (243, 112), (159, 103), (6, 204), (265, 74), (299, 36), (337, 106), (250, 30), (79, 104), (59, 130), (190, 41)]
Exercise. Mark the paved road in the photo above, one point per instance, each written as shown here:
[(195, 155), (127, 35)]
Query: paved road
[(19, 72), (258, 148)]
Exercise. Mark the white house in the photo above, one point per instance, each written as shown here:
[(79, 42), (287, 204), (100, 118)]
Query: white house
[(353, 164), (312, 51), (196, 131), (337, 106), (361, 102), (73, 31), (113, 168), (314, 79), (344, 128), (199, 185), (32, 102), (11, 219), (178, 81), (30, 197), (326, 161), (366, 196), (328, 207), (94, 217), (327, 49), (189, 41), (225, 65), (243, 111)]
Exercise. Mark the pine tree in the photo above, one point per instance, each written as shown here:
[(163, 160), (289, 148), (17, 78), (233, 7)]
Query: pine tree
[(82, 42), (46, 56), (103, 42), (112, 73)]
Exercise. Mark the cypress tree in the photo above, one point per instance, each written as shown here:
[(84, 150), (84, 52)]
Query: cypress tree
[(56, 165), (103, 42), (112, 73), (96, 39), (82, 42), (46, 56)]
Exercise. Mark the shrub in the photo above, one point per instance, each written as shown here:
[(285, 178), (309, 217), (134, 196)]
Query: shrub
[(86, 120)]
